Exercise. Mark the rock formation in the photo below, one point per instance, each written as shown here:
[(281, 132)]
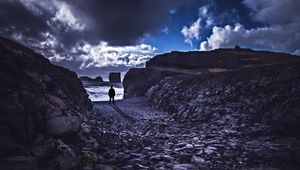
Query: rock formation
[(220, 58), (250, 98), (115, 77), (86, 78), (138, 81), (43, 107), (265, 96)]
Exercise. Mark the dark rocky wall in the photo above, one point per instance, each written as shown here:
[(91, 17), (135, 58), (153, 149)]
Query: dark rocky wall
[(137, 81), (250, 97), (42, 108)]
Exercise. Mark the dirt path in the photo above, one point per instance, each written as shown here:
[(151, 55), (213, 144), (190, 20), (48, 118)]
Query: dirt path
[(133, 135)]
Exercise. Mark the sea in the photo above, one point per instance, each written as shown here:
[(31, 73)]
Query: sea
[(100, 93)]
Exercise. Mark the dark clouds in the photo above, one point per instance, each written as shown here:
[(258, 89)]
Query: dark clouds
[(92, 34), (117, 22), (61, 29), (122, 22), (17, 18)]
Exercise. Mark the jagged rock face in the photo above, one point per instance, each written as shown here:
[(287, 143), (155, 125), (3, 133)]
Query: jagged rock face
[(138, 81), (266, 95), (115, 77), (37, 99)]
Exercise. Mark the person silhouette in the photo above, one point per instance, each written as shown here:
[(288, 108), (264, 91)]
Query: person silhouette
[(111, 94)]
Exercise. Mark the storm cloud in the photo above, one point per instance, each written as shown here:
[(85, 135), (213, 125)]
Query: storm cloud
[(55, 27), (117, 22), (88, 36)]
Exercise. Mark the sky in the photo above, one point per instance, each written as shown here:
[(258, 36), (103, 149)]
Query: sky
[(93, 37)]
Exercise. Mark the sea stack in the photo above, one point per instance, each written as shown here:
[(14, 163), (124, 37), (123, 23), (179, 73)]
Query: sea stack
[(115, 77)]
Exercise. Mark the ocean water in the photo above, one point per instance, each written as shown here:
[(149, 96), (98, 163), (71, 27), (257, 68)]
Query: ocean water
[(99, 93)]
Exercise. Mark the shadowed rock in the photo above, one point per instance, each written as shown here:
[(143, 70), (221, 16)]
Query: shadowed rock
[(115, 77), (39, 102), (137, 81)]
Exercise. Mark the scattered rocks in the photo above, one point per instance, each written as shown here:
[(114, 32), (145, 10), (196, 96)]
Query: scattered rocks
[(197, 160), (184, 167), (156, 141)]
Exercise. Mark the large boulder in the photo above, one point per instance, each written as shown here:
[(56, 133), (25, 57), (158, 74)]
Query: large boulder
[(63, 124), (115, 77), (37, 98)]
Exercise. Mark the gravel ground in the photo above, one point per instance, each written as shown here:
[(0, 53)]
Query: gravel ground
[(133, 135)]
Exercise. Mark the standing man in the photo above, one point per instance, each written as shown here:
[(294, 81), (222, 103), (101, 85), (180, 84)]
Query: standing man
[(111, 94)]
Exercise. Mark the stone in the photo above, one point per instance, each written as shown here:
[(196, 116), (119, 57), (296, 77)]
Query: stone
[(103, 167), (63, 124), (210, 149), (155, 158), (66, 158), (184, 167), (230, 154), (189, 146), (85, 127), (197, 160), (42, 147)]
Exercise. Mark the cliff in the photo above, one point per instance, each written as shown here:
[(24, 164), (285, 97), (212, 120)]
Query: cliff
[(42, 107), (247, 97), (138, 81), (261, 97)]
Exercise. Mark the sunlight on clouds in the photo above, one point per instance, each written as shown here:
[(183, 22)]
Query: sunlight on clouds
[(65, 15), (192, 32), (103, 55), (280, 33)]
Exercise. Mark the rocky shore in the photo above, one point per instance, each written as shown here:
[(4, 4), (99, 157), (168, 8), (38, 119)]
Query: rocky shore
[(197, 111)]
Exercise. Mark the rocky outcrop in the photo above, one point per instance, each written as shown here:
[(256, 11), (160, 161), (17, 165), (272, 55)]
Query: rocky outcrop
[(246, 97), (138, 81), (115, 77), (42, 109), (220, 58), (262, 97), (86, 78)]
